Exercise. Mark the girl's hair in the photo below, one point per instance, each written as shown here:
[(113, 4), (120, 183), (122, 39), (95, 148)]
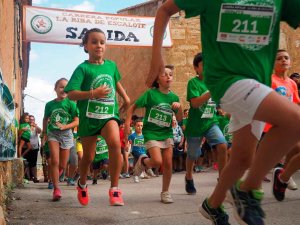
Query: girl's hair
[(22, 119), (86, 37), (155, 83), (58, 81)]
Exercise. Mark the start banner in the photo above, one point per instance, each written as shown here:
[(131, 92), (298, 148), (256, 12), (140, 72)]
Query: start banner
[(68, 27)]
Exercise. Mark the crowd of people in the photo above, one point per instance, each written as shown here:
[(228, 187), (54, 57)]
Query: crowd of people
[(231, 97)]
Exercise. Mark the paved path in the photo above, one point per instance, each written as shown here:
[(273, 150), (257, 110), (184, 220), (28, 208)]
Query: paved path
[(32, 204)]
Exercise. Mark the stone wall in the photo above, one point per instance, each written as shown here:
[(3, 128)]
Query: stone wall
[(134, 62)]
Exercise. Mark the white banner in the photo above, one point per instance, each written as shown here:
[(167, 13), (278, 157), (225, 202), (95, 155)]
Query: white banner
[(68, 27)]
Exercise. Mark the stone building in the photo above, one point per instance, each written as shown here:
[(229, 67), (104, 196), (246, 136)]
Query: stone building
[(14, 59)]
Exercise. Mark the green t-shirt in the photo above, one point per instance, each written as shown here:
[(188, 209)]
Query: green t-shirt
[(63, 111), (101, 150), (158, 115), (239, 38), (93, 114), (224, 126), (203, 118), (26, 133)]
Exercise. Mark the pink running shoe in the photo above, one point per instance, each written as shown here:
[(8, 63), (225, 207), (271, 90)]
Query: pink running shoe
[(83, 195), (56, 194), (115, 197)]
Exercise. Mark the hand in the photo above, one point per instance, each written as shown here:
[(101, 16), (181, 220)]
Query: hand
[(175, 105), (60, 125), (157, 68), (101, 92)]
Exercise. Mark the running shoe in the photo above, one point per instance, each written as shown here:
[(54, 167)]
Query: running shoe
[(115, 197), (190, 187), (247, 205), (218, 216), (70, 182), (50, 185), (292, 185), (56, 194), (104, 174), (278, 186), (94, 181), (136, 179), (166, 197), (83, 194)]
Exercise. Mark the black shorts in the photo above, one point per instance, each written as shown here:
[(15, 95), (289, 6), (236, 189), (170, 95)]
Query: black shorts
[(97, 165), (177, 151), (31, 157)]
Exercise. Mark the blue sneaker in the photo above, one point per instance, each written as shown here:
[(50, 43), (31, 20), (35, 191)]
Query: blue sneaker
[(70, 182), (50, 185), (217, 216), (247, 206), (190, 187)]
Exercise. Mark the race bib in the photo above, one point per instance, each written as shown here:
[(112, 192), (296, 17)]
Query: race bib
[(160, 117), (209, 109), (245, 24), (101, 150), (100, 108), (138, 142)]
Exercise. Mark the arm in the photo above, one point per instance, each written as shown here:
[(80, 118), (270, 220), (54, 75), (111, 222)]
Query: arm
[(199, 101), (162, 18), (99, 92), (128, 119), (122, 93), (179, 114), (71, 125)]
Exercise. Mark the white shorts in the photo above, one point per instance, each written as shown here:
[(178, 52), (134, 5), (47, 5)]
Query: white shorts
[(241, 100), (167, 143)]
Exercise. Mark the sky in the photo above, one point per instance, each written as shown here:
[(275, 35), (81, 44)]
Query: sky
[(50, 62)]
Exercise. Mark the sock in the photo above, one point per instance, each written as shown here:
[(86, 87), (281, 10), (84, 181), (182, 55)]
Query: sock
[(82, 186), (114, 188)]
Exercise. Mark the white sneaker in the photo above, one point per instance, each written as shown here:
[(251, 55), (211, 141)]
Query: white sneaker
[(166, 197), (292, 185), (150, 172), (136, 179), (144, 175)]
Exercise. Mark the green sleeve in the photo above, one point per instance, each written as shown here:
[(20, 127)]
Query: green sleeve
[(76, 80), (290, 12), (47, 112), (191, 7), (142, 100), (194, 90)]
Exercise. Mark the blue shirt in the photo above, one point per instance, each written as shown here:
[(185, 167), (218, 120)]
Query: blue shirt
[(137, 143)]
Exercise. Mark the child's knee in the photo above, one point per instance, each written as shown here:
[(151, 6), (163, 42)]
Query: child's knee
[(156, 162)]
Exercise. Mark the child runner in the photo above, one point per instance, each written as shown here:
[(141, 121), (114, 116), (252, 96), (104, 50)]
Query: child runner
[(178, 139), (136, 141), (94, 84), (100, 161), (24, 134), (202, 122), (239, 48), (160, 103), (61, 115), (224, 119)]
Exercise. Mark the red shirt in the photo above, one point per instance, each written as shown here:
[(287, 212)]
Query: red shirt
[(285, 87), (122, 138)]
